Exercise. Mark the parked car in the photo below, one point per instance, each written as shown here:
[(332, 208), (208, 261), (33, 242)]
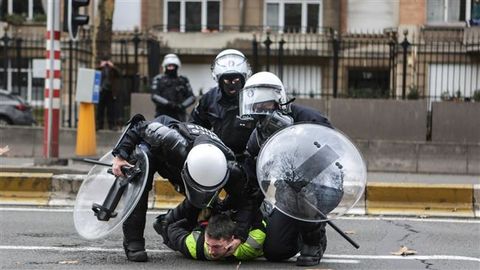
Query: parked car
[(14, 110)]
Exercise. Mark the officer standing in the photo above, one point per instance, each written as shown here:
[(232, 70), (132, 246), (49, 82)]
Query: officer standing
[(108, 93), (218, 108), (171, 93), (264, 98), (191, 157)]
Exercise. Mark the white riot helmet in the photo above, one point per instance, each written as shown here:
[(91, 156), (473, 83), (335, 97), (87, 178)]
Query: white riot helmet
[(229, 64), (263, 94), (204, 173), (171, 59)]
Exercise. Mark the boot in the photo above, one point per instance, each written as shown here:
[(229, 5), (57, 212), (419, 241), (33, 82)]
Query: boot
[(314, 245), (310, 255), (135, 251)]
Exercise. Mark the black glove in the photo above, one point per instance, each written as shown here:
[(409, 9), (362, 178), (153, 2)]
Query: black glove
[(161, 225)]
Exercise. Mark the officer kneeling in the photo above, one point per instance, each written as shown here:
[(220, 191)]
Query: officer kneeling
[(194, 161)]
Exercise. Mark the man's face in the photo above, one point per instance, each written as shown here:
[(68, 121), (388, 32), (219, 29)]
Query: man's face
[(217, 248)]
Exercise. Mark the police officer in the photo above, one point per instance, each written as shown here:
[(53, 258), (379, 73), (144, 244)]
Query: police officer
[(191, 157), (171, 93), (264, 98), (108, 93), (218, 108)]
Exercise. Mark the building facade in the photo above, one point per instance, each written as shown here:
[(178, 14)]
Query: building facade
[(320, 48)]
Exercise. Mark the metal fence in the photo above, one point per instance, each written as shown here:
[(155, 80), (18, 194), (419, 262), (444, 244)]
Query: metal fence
[(436, 64), (23, 70)]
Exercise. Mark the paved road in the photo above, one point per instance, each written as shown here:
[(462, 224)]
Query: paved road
[(35, 238)]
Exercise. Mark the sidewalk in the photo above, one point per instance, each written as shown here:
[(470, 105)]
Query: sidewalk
[(24, 182)]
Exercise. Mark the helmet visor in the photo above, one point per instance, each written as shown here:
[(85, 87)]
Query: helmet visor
[(259, 99), (230, 63)]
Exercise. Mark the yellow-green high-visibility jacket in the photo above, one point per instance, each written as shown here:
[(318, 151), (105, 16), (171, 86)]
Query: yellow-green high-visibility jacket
[(192, 243)]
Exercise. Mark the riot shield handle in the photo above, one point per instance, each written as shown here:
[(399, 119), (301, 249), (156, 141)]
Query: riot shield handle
[(107, 210)]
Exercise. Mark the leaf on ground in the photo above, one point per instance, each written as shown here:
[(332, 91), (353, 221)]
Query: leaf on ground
[(68, 262), (4, 150), (404, 251)]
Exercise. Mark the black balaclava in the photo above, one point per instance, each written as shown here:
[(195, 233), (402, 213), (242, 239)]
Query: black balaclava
[(230, 91), (171, 72)]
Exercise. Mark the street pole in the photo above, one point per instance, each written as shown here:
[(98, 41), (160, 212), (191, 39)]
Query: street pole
[(52, 81)]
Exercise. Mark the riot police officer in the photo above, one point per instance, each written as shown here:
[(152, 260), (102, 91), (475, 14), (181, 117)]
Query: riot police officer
[(192, 158), (218, 108), (264, 98), (172, 93)]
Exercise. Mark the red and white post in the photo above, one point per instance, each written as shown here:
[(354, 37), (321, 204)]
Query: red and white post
[(52, 81)]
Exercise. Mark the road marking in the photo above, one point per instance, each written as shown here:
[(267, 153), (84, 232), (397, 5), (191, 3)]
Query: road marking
[(418, 219), (415, 257), (331, 258), (77, 249), (340, 261)]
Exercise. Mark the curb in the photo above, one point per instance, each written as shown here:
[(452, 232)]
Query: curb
[(454, 200), (410, 199), (25, 188)]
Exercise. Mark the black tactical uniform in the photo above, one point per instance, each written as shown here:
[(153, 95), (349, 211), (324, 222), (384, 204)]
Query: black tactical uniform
[(172, 95), (283, 232), (167, 155), (219, 112)]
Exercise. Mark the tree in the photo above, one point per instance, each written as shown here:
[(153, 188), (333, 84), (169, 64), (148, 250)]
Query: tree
[(102, 31)]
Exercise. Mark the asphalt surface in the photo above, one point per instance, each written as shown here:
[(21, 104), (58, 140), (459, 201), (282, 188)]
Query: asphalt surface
[(45, 238)]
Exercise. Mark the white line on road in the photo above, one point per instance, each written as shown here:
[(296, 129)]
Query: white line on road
[(332, 258), (415, 257), (77, 249), (418, 219)]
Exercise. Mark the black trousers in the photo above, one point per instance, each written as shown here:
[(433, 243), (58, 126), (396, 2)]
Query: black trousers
[(285, 236), (134, 226), (106, 103)]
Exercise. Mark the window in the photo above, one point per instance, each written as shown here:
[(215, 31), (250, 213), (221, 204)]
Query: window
[(173, 19), (29, 9), (312, 17), (272, 16), (213, 15), (451, 11), (293, 15), (192, 15), (475, 19)]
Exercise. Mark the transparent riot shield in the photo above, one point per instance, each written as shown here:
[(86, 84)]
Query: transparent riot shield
[(104, 201), (311, 172)]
